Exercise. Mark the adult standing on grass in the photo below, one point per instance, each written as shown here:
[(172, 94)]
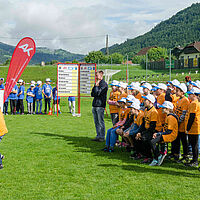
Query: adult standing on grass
[(99, 92)]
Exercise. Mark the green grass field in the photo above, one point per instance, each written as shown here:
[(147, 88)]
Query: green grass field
[(41, 73), (50, 157)]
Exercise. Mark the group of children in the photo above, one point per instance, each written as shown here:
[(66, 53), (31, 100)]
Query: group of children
[(34, 97), (153, 119)]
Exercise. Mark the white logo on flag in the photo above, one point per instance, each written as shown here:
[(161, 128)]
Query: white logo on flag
[(25, 49)]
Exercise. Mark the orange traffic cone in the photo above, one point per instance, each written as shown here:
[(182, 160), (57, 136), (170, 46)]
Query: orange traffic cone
[(50, 112)]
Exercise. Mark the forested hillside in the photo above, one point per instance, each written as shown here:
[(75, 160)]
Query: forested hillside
[(180, 29), (42, 54)]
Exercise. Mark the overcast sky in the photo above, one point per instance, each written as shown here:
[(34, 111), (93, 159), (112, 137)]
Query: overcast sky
[(80, 26)]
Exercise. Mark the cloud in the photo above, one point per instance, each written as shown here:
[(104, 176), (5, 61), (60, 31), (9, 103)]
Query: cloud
[(81, 26)]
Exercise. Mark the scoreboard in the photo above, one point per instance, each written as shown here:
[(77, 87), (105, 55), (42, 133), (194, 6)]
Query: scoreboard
[(71, 76)]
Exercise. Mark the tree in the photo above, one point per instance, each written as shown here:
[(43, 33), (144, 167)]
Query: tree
[(94, 57), (53, 62), (75, 61), (7, 62), (155, 54), (138, 59), (117, 58)]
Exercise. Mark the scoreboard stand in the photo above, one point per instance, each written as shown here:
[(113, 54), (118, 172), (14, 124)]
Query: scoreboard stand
[(75, 80)]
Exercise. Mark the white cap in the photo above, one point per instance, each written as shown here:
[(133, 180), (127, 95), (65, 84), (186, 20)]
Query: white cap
[(114, 83), (198, 83), (20, 81), (130, 98), (32, 85), (150, 97), (175, 82), (122, 100), (123, 85), (143, 82), (33, 82), (161, 86), (141, 90), (153, 85), (147, 85), (48, 80), (39, 82), (167, 104), (135, 86), (194, 90), (182, 86), (135, 104)]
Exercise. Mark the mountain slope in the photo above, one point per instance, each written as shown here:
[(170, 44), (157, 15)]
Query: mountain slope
[(180, 29), (42, 54)]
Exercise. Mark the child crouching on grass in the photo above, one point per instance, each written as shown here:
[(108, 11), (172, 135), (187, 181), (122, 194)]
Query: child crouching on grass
[(3, 131), (129, 121), (130, 133), (168, 134), (111, 133)]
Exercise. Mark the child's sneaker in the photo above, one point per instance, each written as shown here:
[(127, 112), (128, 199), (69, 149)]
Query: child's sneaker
[(111, 150), (161, 158), (106, 149), (1, 166), (154, 163), (55, 113), (59, 112), (133, 155), (138, 157), (183, 160), (2, 157), (192, 164), (146, 160)]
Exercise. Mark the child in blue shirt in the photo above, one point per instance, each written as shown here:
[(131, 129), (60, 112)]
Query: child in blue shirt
[(5, 105), (1, 84), (47, 92), (29, 98), (55, 100), (13, 100), (34, 100), (20, 100), (38, 97)]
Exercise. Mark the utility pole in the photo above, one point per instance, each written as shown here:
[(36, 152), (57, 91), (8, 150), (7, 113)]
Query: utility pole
[(170, 65), (146, 64), (127, 74), (107, 50), (111, 64)]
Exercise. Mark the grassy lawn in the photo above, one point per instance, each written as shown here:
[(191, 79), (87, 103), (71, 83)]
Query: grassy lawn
[(41, 73), (49, 157)]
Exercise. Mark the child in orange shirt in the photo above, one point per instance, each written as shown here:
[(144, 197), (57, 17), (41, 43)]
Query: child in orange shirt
[(192, 125), (111, 133), (168, 134), (113, 104), (181, 110), (149, 126), (3, 131)]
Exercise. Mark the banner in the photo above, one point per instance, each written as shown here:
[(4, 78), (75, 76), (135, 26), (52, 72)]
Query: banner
[(22, 55)]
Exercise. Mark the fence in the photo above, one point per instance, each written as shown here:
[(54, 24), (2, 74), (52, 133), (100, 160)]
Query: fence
[(190, 63)]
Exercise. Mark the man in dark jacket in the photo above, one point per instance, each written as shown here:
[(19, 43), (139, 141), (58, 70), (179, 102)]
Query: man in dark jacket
[(99, 92)]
